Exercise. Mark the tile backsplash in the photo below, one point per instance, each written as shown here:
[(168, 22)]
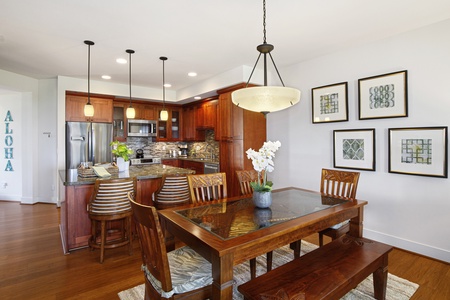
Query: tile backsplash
[(162, 149)]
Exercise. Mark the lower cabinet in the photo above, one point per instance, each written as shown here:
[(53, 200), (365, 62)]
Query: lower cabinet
[(171, 162), (198, 167)]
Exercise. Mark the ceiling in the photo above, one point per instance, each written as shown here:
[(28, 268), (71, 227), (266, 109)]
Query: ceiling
[(43, 39)]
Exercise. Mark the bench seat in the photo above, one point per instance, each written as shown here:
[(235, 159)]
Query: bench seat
[(328, 272)]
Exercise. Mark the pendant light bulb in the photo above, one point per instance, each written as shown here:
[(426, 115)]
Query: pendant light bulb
[(131, 113), (88, 107), (265, 99), (164, 114)]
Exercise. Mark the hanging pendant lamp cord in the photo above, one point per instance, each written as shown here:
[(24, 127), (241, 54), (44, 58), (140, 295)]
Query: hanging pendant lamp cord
[(130, 77), (264, 21), (164, 89), (89, 74)]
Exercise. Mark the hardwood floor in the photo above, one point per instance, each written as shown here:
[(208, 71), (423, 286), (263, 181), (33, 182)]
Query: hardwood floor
[(33, 266)]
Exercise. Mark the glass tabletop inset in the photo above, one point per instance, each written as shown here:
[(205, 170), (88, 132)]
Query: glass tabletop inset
[(235, 218)]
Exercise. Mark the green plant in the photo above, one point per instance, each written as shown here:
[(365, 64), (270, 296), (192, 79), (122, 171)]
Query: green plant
[(121, 150)]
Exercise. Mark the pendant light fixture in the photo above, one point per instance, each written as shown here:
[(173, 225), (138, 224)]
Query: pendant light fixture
[(265, 99), (88, 107), (164, 115), (131, 113)]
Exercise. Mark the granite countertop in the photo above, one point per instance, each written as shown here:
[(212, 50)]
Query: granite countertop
[(70, 177)]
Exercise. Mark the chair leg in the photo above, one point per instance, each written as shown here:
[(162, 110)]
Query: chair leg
[(103, 241), (269, 256), (253, 268), (320, 239), (129, 235)]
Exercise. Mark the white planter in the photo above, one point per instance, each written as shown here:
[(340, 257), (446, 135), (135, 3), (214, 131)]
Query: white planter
[(122, 165)]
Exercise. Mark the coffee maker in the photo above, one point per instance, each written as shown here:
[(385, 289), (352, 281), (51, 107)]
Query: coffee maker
[(183, 150), (139, 153)]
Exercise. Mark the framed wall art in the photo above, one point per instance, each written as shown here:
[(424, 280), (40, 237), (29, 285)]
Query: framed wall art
[(330, 103), (383, 96), (354, 149), (419, 151)]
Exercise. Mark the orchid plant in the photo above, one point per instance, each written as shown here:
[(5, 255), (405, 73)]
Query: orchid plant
[(263, 163)]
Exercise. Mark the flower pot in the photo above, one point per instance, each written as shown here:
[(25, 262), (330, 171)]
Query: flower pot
[(262, 199), (122, 164)]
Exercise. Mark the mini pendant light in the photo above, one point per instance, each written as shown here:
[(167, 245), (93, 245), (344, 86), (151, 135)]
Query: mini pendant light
[(89, 108), (265, 99), (164, 115), (131, 113)]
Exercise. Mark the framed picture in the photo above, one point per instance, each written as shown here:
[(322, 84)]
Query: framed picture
[(383, 96), (354, 149), (330, 103), (419, 151)]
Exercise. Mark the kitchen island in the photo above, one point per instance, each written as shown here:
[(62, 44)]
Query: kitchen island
[(75, 225)]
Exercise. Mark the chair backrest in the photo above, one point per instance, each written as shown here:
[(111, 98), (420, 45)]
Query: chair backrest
[(207, 187), (151, 239), (174, 191), (245, 177), (111, 196), (339, 183)]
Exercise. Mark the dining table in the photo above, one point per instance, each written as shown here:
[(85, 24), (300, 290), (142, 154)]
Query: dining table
[(230, 231)]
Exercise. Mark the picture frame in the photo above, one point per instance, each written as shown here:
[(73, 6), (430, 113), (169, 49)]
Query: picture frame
[(330, 103), (383, 96), (354, 149), (421, 151)]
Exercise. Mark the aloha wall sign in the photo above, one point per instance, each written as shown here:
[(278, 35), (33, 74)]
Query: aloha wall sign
[(9, 141)]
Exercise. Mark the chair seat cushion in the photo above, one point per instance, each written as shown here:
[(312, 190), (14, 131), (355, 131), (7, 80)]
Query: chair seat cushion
[(189, 271)]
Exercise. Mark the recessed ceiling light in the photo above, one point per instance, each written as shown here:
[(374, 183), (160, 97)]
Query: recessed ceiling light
[(121, 61), (192, 74), (107, 77), (197, 98), (167, 85)]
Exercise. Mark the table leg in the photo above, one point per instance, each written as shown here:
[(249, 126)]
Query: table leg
[(222, 272), (356, 224)]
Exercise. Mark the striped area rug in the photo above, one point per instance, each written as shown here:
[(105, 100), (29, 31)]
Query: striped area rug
[(397, 288)]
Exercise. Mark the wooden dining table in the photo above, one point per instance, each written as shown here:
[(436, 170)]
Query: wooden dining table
[(231, 231)]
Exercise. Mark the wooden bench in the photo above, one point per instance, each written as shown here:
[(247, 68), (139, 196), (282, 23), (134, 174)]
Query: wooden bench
[(328, 272)]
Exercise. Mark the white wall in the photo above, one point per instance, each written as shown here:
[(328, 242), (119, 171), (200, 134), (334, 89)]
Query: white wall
[(410, 212)]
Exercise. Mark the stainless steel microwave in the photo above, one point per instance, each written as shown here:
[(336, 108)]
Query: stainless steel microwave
[(143, 128)]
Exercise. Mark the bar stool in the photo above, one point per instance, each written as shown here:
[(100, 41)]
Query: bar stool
[(110, 203)]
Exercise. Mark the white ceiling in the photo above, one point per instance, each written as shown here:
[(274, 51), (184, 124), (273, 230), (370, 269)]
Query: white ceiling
[(43, 39)]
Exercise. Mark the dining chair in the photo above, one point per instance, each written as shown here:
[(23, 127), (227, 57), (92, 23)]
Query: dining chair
[(178, 274), (207, 187), (341, 184), (245, 177), (174, 191), (334, 183), (109, 203)]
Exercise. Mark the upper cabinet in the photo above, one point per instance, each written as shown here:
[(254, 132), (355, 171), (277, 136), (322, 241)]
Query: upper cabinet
[(103, 108), (170, 130), (145, 112), (206, 115), (119, 122)]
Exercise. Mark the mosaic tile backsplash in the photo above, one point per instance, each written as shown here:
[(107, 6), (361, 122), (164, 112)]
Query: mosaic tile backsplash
[(162, 149)]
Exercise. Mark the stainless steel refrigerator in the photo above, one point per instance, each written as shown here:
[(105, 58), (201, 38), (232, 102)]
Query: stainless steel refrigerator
[(87, 141)]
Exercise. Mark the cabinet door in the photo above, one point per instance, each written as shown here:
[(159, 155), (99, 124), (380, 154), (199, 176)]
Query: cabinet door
[(198, 167), (175, 124), (103, 109), (210, 114), (230, 124), (189, 123), (119, 123), (170, 162)]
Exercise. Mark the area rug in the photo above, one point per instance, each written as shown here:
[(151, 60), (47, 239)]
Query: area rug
[(397, 288)]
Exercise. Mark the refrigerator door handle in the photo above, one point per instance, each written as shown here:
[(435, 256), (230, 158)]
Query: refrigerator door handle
[(77, 138)]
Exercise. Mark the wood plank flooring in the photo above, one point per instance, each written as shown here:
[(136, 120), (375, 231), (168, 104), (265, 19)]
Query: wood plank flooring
[(33, 266)]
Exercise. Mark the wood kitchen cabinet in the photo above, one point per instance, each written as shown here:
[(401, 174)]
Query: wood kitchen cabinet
[(238, 130), (171, 162), (145, 112), (198, 167), (170, 130), (190, 132), (206, 115), (119, 122), (103, 108)]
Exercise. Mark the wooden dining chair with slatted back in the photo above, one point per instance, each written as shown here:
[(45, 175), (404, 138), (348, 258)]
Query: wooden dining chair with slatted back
[(109, 203), (245, 177), (178, 274), (207, 187), (341, 184)]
